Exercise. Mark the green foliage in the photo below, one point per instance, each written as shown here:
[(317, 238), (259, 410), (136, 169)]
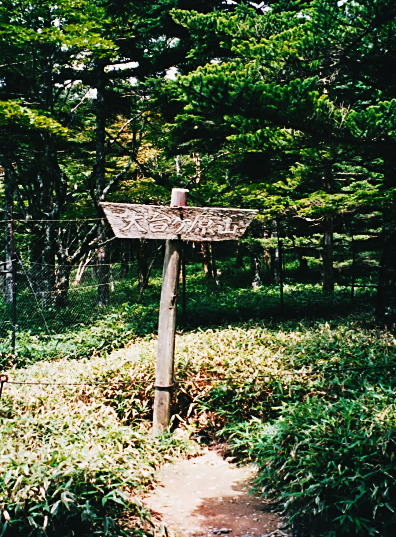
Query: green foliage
[(107, 332), (312, 405), (13, 113), (310, 402), (82, 329), (374, 122), (292, 109), (335, 461), (68, 464), (299, 98), (322, 429)]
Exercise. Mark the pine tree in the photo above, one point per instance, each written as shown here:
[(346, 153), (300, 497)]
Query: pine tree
[(301, 87)]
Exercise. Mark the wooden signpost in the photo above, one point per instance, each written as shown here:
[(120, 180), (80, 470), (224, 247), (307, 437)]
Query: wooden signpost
[(175, 224)]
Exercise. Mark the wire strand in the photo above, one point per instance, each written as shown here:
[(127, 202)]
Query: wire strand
[(45, 221), (5, 380)]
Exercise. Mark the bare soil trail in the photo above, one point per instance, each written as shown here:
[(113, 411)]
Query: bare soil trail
[(207, 496)]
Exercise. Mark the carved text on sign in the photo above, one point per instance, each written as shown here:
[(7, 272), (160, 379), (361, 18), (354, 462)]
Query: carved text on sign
[(185, 223)]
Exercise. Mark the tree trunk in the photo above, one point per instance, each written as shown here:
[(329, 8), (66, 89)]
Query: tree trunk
[(143, 270), (256, 269), (214, 265), (275, 265), (275, 254), (51, 195), (103, 273), (302, 271), (48, 266), (126, 257), (386, 297), (9, 237), (10, 265), (62, 284), (82, 267), (205, 259), (103, 270), (100, 133), (328, 225), (42, 260), (198, 171), (239, 256), (327, 267), (267, 258)]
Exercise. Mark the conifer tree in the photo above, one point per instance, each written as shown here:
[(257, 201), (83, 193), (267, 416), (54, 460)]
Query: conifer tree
[(301, 86)]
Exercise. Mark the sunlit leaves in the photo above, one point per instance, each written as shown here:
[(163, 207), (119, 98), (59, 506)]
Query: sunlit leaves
[(15, 114)]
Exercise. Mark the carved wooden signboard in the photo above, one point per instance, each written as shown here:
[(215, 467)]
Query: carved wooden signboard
[(186, 223), (175, 223)]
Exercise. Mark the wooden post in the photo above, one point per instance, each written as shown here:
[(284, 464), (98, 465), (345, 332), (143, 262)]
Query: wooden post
[(175, 224), (166, 325)]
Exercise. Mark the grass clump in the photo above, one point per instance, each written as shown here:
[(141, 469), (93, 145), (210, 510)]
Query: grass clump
[(330, 465), (314, 409), (310, 402), (68, 464), (109, 331)]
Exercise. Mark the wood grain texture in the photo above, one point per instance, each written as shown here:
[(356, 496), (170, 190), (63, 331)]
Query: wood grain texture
[(166, 325), (166, 336), (184, 223)]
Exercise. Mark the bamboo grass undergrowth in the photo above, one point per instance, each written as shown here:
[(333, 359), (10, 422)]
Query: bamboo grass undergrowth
[(309, 401), (68, 464)]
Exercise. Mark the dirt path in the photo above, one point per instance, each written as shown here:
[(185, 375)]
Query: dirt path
[(207, 496)]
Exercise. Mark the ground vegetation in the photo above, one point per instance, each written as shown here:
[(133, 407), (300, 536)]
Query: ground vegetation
[(306, 392)]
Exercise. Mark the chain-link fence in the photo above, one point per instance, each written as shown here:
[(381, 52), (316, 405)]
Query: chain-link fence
[(56, 275), (49, 282)]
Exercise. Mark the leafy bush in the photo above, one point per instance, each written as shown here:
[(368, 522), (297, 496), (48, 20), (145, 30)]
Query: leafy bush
[(325, 439), (68, 465), (112, 330), (73, 455), (330, 466)]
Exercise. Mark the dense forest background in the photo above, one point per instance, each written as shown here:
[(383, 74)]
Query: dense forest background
[(285, 106)]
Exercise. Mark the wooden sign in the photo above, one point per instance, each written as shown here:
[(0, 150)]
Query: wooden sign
[(175, 223), (130, 221)]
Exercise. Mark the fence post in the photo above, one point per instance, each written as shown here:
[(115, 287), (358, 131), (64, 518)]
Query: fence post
[(10, 267), (166, 325), (184, 280), (280, 248), (353, 269)]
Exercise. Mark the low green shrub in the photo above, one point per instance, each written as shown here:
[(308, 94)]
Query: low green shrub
[(71, 457), (325, 438), (330, 466), (111, 331), (68, 464)]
